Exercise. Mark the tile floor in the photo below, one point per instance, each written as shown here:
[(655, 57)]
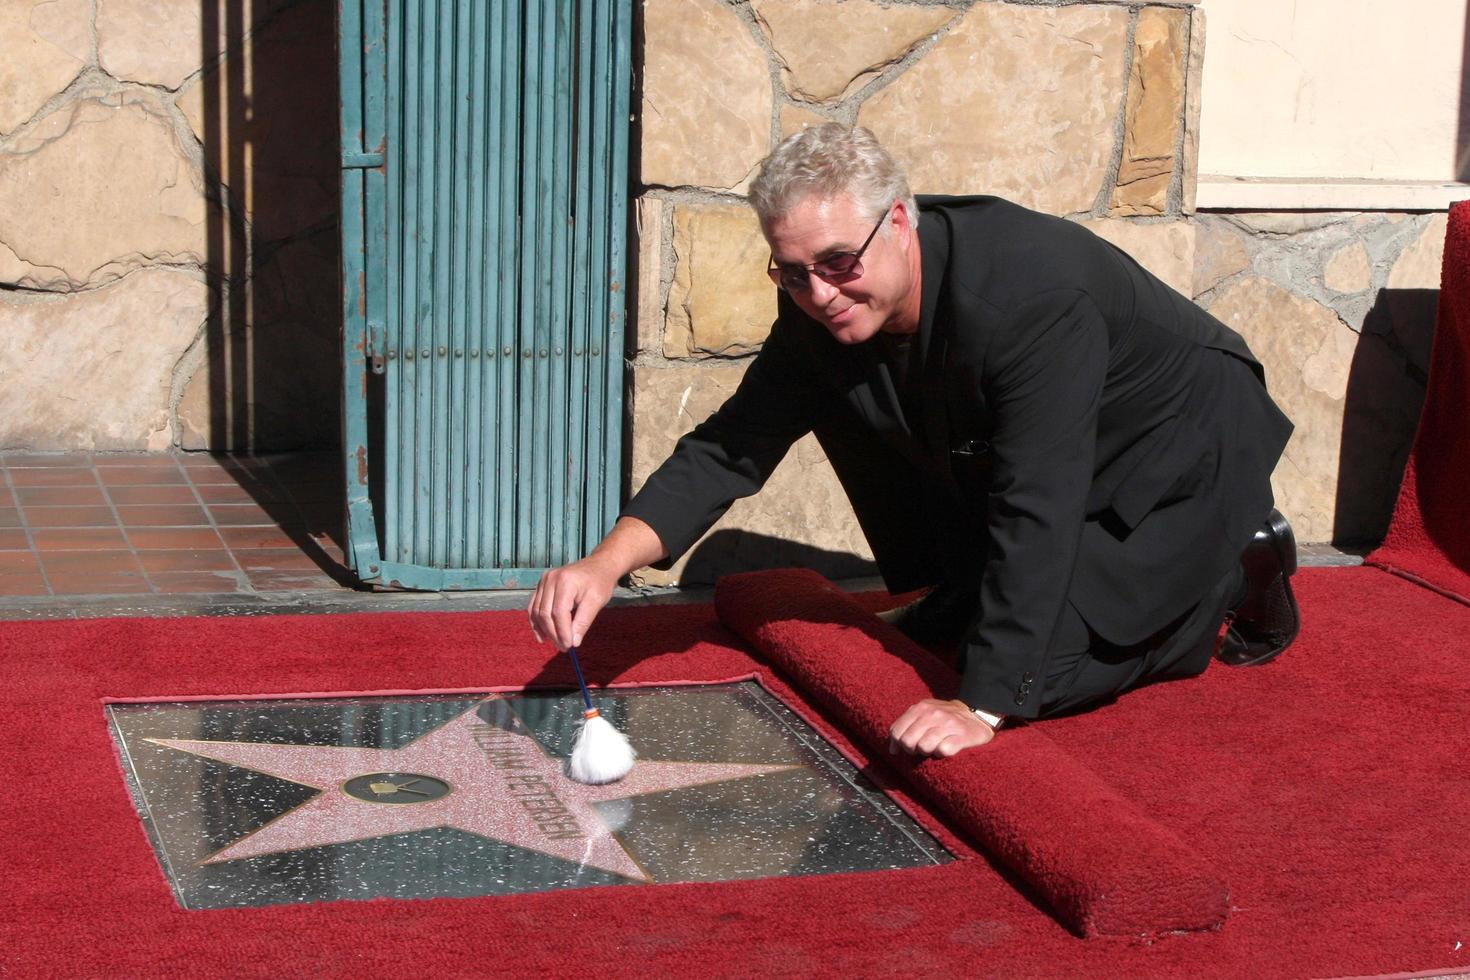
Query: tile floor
[(88, 534), (121, 524)]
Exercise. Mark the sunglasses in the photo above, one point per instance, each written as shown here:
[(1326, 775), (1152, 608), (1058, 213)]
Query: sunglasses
[(837, 268)]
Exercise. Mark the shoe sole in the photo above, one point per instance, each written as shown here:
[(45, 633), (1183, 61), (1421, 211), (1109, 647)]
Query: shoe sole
[(1284, 540)]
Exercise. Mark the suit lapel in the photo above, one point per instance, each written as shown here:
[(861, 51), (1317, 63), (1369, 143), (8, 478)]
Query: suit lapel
[(928, 373), (886, 390)]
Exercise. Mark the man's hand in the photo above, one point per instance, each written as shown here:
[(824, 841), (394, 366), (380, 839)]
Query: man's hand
[(567, 599), (941, 728)]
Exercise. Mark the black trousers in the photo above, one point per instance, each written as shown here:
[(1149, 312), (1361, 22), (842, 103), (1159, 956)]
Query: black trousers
[(1085, 670), (926, 527)]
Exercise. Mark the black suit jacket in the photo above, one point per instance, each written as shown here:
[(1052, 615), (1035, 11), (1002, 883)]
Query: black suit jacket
[(1115, 440)]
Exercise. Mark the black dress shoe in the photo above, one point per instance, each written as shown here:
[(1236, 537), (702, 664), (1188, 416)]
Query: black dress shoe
[(939, 617), (1266, 619)]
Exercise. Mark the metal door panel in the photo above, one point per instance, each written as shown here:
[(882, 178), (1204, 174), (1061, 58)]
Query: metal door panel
[(484, 217)]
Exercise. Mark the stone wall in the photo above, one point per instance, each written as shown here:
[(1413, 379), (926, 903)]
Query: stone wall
[(1079, 110), (169, 256), (168, 242), (1084, 110), (1340, 308)]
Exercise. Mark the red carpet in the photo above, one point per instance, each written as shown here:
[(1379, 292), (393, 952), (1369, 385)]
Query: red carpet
[(1429, 539), (1099, 863), (1328, 789)]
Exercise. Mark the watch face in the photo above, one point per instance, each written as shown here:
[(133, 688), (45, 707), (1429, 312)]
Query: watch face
[(307, 800)]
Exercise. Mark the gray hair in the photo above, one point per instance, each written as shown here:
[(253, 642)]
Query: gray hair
[(826, 161)]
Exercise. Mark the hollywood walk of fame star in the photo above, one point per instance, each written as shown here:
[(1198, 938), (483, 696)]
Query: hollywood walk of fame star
[(494, 780)]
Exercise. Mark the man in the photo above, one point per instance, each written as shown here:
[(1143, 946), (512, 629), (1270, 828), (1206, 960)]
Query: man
[(1073, 455)]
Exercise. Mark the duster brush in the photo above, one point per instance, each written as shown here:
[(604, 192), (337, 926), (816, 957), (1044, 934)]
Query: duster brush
[(601, 753)]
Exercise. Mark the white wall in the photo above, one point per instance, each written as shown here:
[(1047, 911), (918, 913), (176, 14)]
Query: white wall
[(1320, 91)]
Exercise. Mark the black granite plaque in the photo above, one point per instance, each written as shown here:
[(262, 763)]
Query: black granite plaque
[(309, 800)]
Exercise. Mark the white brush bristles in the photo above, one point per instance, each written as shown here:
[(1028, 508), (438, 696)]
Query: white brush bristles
[(601, 753)]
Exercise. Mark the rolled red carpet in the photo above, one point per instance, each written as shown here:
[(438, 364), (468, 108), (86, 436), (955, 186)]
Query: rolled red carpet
[(1429, 539), (1101, 864)]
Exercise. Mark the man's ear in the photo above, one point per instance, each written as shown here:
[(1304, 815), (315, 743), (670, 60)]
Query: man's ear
[(901, 218)]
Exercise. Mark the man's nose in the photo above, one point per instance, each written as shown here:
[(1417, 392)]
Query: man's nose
[(821, 290)]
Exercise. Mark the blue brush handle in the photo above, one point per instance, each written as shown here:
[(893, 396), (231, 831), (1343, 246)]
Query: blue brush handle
[(586, 698)]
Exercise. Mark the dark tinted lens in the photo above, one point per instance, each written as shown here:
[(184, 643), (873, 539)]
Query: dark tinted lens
[(793, 278), (841, 264)]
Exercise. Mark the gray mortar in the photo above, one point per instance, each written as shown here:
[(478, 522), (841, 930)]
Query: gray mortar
[(1101, 203), (888, 74), (1174, 201), (1295, 261)]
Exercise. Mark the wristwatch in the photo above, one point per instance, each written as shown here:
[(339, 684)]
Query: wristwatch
[(990, 718)]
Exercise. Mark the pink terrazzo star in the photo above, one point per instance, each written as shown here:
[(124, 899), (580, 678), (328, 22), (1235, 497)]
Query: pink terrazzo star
[(502, 785)]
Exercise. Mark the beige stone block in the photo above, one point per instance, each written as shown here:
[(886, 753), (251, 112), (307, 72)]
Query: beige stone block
[(800, 517), (162, 42), (1164, 248), (1145, 195), (1308, 356), (157, 42), (795, 118), (1016, 100), (707, 97), (1154, 111), (100, 190), (648, 331), (44, 44), (722, 301), (1349, 270), (274, 140), (15, 271), (194, 412), (831, 48), (1421, 265), (1219, 254), (93, 370), (1193, 79)]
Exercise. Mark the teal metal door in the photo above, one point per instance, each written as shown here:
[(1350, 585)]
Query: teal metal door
[(484, 212)]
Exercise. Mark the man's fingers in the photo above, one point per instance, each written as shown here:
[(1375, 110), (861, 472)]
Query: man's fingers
[(915, 725), (936, 728), (533, 612), (543, 608), (562, 605), (565, 603), (586, 612), (931, 738), (898, 734)]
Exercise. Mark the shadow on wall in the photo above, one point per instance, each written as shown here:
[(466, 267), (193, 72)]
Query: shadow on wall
[(270, 108), (729, 550), (1385, 393), (270, 132)]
